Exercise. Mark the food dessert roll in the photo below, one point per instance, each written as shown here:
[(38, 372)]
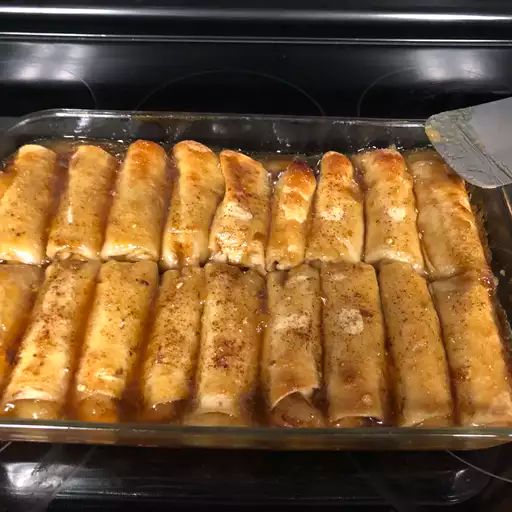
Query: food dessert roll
[(18, 286), (7, 176), (391, 232), (337, 225), (230, 345), (292, 347), (196, 194), (422, 384), (78, 228), (136, 218), (26, 205), (46, 359), (239, 228), (476, 355), (173, 342), (354, 345), (113, 338), (450, 238), (291, 203)]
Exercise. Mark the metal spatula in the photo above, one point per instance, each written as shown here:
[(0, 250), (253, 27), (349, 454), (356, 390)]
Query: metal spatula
[(476, 142)]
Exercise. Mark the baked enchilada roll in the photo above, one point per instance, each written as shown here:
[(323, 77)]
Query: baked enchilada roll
[(337, 224), (475, 350), (27, 204), (354, 345), (113, 338), (136, 218), (292, 347), (450, 238), (239, 229), (227, 370), (391, 232), (291, 202), (78, 228), (195, 196), (422, 384), (18, 285), (40, 381), (173, 342)]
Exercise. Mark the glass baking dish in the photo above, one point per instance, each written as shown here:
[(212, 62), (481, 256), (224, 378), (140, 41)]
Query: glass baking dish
[(263, 134)]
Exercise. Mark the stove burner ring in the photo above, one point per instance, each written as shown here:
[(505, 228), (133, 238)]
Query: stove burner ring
[(429, 93), (478, 468), (234, 71), (32, 71)]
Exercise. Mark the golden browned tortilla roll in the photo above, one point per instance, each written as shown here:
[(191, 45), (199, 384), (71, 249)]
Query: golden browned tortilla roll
[(196, 194), (292, 348), (78, 228), (291, 203), (7, 176), (337, 225), (230, 344), (40, 380), (26, 205), (451, 243), (173, 343), (354, 345), (18, 284), (475, 351), (136, 218), (422, 384), (391, 232), (113, 337), (239, 228)]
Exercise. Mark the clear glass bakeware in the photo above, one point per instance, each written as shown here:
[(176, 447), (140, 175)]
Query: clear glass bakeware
[(266, 134)]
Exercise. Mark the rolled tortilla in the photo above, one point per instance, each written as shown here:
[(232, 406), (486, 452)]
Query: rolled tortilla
[(26, 205), (7, 176), (113, 338), (475, 351), (337, 225), (230, 345), (18, 286), (173, 342), (196, 194), (239, 228), (354, 346), (77, 230), (390, 208), (136, 218), (40, 380), (422, 384), (292, 348), (291, 204), (450, 238)]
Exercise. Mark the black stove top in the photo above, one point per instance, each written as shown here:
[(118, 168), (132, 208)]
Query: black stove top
[(405, 61), (354, 58), (62, 477), (313, 78)]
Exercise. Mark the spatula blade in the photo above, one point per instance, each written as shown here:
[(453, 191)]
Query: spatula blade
[(476, 142)]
